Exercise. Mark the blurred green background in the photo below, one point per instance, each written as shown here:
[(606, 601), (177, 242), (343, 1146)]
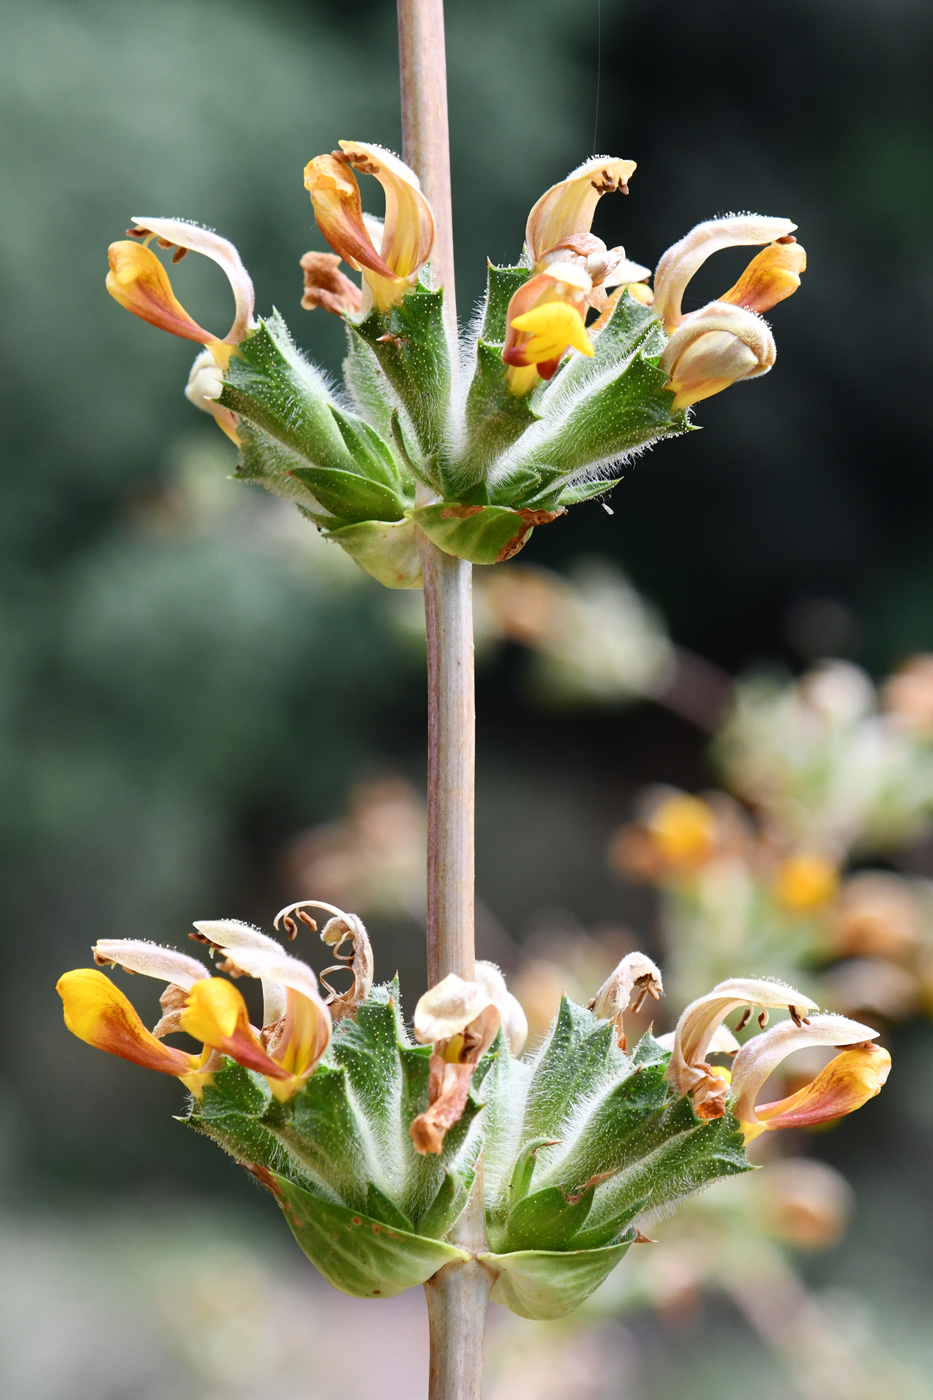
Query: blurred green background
[(188, 681)]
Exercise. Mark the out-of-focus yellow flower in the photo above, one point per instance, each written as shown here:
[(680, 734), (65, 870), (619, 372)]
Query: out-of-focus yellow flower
[(806, 882), (847, 1082), (878, 915), (908, 696), (408, 228), (684, 828)]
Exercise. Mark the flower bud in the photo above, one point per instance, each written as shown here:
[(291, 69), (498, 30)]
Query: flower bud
[(205, 386), (635, 978), (714, 347)]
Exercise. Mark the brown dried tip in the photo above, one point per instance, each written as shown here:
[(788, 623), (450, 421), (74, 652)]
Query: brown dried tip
[(173, 1002), (358, 961), (448, 1089), (263, 1176), (327, 286)]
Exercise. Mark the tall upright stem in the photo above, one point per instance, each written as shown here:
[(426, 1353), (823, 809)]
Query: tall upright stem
[(447, 581), (459, 1293), (425, 134), (448, 610)]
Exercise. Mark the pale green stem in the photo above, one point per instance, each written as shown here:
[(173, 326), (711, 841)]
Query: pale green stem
[(458, 1295)]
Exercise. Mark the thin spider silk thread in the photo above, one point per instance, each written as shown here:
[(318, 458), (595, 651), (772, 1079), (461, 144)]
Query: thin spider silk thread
[(599, 60)]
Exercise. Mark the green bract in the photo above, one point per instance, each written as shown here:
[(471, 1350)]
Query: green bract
[(577, 1143), (491, 465)]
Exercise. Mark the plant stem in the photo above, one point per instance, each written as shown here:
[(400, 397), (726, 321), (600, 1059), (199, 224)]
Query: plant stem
[(448, 610), (425, 136), (458, 1294), (447, 581)]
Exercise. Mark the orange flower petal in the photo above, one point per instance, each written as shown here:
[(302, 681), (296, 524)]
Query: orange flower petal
[(847, 1082), (335, 198), (138, 281), (770, 277), (97, 1012), (408, 227), (216, 1014)]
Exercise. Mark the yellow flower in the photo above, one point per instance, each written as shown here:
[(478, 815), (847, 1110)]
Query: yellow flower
[(694, 1035), (545, 319), (726, 340), (408, 228), (297, 1024), (684, 829), (139, 282), (97, 1012), (571, 270), (846, 1083), (805, 882)]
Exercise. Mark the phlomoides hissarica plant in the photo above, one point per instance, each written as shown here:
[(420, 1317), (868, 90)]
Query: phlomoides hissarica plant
[(440, 1156)]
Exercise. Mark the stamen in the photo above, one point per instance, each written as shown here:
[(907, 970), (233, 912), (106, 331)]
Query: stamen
[(746, 1017), (179, 254), (763, 1019), (794, 1016), (288, 923)]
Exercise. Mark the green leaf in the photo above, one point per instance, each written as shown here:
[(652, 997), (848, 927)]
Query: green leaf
[(325, 1132), (369, 388), (682, 1155), (230, 1112), (351, 497), (495, 419), (579, 1059), (274, 388), (586, 490), (501, 285), (611, 1128), (609, 1230), (388, 1080), (267, 463), (524, 1169), (547, 1219), (387, 551), (356, 1253), (372, 456), (542, 1284), (386, 1211), (410, 344), (447, 1204), (482, 534)]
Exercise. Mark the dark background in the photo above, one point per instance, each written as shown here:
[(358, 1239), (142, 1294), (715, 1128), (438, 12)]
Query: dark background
[(178, 700)]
